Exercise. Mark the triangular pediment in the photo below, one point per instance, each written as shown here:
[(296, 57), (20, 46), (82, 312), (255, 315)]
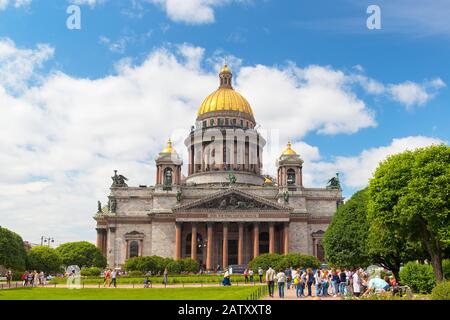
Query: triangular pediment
[(232, 200)]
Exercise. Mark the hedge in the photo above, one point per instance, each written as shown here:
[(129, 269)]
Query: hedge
[(281, 262), (156, 264), (419, 277), (441, 291)]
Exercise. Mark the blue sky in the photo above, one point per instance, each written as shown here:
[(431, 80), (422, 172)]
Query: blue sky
[(384, 90)]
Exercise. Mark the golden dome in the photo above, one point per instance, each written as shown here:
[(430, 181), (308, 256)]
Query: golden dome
[(169, 148), (288, 151), (225, 99)]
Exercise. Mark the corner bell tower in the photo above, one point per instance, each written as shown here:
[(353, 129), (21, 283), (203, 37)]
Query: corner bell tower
[(168, 167), (290, 169)]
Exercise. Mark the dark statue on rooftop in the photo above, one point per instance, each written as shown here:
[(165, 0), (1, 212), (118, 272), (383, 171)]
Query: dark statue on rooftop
[(99, 207), (118, 180), (286, 196), (179, 196), (334, 183), (112, 205)]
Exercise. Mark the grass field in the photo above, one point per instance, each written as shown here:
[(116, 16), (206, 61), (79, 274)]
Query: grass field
[(206, 293)]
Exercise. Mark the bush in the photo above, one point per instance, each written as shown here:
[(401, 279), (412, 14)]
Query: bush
[(441, 291), (156, 264), (12, 251), (297, 260), (135, 274), (446, 268), (91, 272), (265, 260), (419, 277)]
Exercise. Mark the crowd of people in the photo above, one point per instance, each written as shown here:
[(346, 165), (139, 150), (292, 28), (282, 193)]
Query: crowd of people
[(333, 282), (31, 278)]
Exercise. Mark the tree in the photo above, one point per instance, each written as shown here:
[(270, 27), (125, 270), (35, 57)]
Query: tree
[(410, 195), (12, 251), (82, 254), (43, 258), (345, 239)]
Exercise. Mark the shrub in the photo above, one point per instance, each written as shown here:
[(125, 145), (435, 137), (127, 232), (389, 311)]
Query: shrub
[(419, 277), (441, 291), (91, 272), (82, 254), (189, 265), (135, 274), (446, 268), (263, 261), (156, 264), (45, 259)]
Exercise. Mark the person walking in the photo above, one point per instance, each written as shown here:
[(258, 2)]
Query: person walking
[(246, 275), (8, 278), (107, 278), (114, 278), (25, 279), (250, 273), (260, 273), (281, 280), (166, 277), (270, 278), (288, 273), (309, 280)]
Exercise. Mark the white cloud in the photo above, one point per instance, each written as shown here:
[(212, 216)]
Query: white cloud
[(90, 3), (413, 94), (18, 66), (357, 170), (16, 3)]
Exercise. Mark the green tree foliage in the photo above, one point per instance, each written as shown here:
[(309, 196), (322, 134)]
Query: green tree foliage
[(82, 254), (345, 238), (45, 259), (419, 277), (410, 195), (265, 260), (441, 291), (12, 251)]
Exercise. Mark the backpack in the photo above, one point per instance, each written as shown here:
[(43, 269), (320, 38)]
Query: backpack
[(296, 280)]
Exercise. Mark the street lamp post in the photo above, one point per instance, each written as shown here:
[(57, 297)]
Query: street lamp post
[(47, 240)]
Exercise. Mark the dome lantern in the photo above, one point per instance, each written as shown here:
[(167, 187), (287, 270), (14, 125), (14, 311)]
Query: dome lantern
[(225, 76)]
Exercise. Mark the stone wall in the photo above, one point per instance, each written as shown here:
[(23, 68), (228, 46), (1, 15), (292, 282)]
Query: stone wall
[(163, 239)]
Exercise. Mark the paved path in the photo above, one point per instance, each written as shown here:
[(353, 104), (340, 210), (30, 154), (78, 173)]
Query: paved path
[(290, 295)]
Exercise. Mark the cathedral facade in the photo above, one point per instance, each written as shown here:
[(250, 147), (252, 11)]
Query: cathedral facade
[(225, 212)]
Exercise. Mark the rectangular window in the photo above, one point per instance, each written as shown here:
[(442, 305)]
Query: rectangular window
[(227, 122), (234, 121), (204, 124)]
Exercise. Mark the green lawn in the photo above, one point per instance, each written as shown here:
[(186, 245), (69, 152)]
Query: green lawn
[(206, 293)]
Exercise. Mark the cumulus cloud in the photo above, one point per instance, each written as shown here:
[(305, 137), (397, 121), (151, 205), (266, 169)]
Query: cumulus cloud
[(357, 170), (66, 135), (18, 66), (413, 94)]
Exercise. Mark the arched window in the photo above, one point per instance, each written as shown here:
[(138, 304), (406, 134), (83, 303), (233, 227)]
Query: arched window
[(291, 176), (134, 249), (211, 122)]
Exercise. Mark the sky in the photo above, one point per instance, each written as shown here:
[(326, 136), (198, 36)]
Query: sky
[(78, 103)]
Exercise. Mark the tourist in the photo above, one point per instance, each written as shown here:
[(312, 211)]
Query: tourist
[(25, 279), (166, 277), (270, 278), (281, 280), (250, 273), (147, 282), (30, 278), (114, 278), (334, 282), (297, 279), (356, 283), (342, 282), (246, 275), (8, 278), (35, 278), (288, 273), (260, 273), (325, 283), (42, 278), (226, 278), (376, 285), (309, 280), (303, 281), (318, 282), (107, 278)]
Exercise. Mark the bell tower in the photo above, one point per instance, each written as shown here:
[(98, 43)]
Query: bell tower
[(290, 166), (168, 168)]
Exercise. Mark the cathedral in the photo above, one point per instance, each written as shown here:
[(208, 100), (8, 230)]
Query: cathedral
[(224, 212)]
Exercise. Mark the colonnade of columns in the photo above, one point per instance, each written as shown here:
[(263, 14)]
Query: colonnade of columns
[(210, 240)]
